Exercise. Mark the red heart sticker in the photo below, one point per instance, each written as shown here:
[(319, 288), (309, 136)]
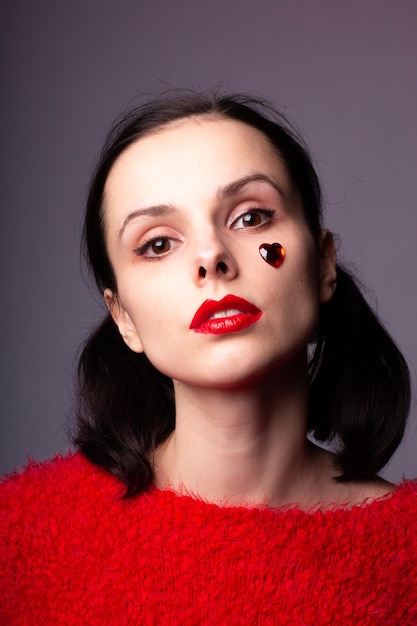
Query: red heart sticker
[(272, 253)]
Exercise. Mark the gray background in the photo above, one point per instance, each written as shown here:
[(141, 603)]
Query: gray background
[(345, 72)]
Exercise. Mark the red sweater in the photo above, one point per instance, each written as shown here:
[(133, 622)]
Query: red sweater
[(73, 552)]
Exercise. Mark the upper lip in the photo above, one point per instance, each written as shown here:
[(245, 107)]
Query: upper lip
[(210, 307)]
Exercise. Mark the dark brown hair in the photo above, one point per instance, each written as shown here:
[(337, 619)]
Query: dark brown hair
[(359, 381)]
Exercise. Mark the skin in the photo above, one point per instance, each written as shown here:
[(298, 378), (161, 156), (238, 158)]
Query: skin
[(241, 398)]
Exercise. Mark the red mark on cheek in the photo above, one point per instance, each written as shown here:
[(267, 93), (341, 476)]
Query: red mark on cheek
[(272, 253)]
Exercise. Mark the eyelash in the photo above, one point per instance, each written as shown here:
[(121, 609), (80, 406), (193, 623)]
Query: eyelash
[(267, 214), (143, 248), (264, 211)]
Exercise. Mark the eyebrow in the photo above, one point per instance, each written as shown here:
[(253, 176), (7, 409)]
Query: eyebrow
[(227, 191), (150, 211), (234, 187)]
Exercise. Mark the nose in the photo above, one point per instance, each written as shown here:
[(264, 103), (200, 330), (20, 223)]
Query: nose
[(213, 259)]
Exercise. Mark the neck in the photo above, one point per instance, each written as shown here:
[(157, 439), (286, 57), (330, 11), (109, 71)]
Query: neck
[(241, 446)]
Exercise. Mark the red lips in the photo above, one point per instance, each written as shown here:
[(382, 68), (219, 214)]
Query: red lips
[(234, 314)]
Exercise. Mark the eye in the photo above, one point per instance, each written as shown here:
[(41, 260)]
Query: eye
[(157, 246), (253, 218)]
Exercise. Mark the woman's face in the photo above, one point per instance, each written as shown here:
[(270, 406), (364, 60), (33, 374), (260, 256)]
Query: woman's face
[(186, 210)]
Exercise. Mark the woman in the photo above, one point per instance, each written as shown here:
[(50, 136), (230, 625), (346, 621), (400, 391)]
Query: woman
[(203, 231)]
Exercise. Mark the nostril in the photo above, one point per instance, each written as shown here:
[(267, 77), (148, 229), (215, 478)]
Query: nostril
[(221, 266)]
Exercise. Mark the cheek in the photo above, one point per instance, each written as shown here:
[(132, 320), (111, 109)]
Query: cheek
[(305, 296), (153, 308), (302, 258)]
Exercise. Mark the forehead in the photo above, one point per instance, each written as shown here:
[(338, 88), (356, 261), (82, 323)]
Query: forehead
[(194, 151)]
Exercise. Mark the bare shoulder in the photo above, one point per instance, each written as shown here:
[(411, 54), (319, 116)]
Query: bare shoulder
[(361, 493), (349, 494)]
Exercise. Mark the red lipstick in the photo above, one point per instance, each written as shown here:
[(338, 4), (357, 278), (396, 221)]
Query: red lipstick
[(228, 315)]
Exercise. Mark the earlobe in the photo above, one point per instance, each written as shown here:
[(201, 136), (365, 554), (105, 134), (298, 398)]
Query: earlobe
[(122, 320), (327, 266)]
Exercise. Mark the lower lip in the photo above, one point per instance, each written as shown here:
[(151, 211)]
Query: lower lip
[(226, 325)]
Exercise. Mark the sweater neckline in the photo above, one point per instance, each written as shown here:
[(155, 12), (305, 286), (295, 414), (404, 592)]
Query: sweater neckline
[(368, 505)]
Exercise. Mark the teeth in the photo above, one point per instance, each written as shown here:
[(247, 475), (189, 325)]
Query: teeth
[(226, 313)]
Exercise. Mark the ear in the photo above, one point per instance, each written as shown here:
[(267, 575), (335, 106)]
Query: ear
[(122, 320), (327, 266)]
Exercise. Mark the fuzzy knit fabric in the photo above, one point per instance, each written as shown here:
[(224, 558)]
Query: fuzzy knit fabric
[(74, 552)]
